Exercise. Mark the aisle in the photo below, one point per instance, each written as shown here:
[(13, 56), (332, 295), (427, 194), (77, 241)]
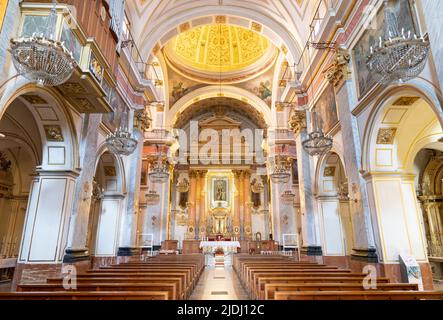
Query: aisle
[(219, 284)]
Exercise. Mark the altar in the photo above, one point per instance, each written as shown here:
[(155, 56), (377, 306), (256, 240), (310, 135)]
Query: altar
[(216, 250)]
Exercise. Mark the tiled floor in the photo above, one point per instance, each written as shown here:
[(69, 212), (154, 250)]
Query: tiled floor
[(219, 284)]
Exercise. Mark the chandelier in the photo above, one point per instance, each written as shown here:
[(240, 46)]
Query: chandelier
[(399, 56), (280, 173), (183, 186), (288, 196), (121, 142), (257, 186), (42, 59), (317, 143), (152, 197), (159, 172)]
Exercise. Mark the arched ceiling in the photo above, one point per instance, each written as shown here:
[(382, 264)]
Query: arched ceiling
[(228, 105), (215, 49)]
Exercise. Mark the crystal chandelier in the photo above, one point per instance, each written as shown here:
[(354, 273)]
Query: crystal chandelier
[(257, 186), (317, 143), (280, 173), (399, 56), (121, 143), (159, 172), (42, 59), (288, 196), (152, 197)]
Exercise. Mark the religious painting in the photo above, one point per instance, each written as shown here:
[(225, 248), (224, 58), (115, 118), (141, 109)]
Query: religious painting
[(3, 6), (261, 86), (326, 108), (405, 13), (220, 192)]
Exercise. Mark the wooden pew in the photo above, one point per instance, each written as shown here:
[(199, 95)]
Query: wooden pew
[(170, 288), (270, 279), (190, 281), (272, 288), (359, 295), (182, 292), (84, 295)]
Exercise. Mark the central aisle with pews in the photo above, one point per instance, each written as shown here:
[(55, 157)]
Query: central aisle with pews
[(220, 283)]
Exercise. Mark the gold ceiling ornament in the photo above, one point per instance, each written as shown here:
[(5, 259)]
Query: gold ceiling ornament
[(218, 48)]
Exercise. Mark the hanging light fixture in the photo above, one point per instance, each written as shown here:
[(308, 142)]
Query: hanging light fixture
[(281, 173), (317, 143), (121, 141), (159, 172), (41, 58), (152, 197), (288, 197), (398, 55)]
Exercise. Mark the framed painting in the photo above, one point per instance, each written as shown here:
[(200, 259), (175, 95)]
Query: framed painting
[(220, 192), (406, 15), (326, 108)]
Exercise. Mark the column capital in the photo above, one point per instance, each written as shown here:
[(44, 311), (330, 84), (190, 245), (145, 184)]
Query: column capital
[(339, 71)]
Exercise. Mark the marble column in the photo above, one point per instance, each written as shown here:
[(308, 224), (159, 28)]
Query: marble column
[(191, 205), (360, 210), (241, 201), (202, 206), (308, 208), (247, 220), (47, 221), (236, 220), (197, 203), (78, 227), (128, 237)]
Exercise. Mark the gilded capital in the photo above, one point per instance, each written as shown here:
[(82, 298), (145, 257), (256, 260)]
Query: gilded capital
[(338, 71), (297, 121)]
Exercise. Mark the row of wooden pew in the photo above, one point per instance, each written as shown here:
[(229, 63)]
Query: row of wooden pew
[(283, 278), (171, 277)]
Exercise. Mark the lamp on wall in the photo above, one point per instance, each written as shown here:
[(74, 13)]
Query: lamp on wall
[(152, 197), (288, 197), (398, 55), (41, 58)]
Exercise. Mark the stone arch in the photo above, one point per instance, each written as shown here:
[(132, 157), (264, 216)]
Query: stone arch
[(227, 91), (55, 124), (331, 191), (406, 143), (119, 165)]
